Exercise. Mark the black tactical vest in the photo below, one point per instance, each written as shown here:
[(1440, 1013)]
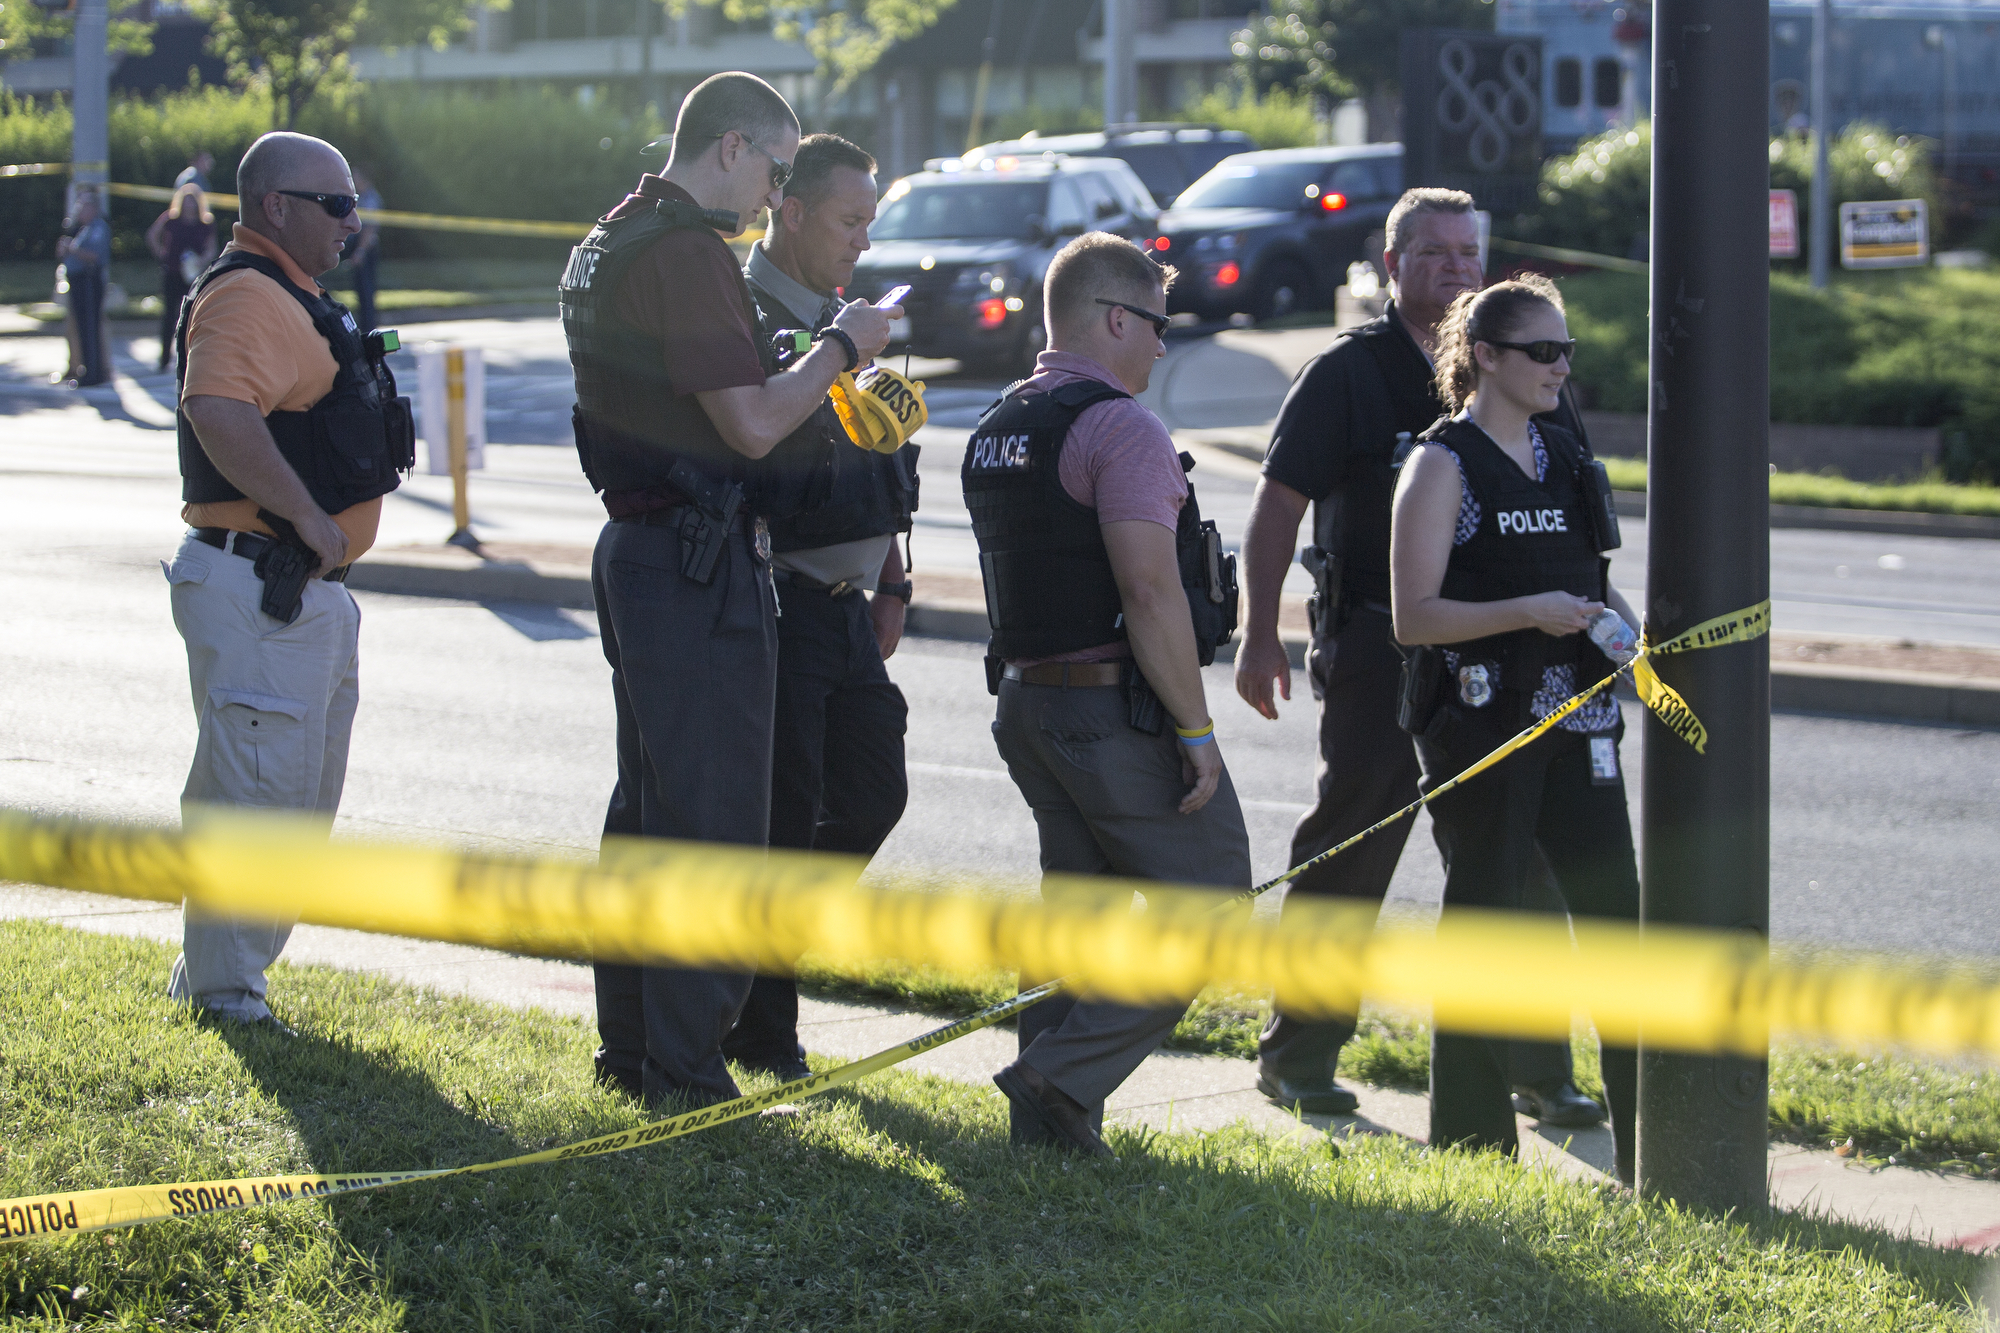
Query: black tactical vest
[(1353, 522), (1533, 537), (1049, 584), (349, 446), (818, 486), (625, 397)]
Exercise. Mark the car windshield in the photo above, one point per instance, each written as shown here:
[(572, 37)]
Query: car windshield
[(963, 210), (1240, 184)]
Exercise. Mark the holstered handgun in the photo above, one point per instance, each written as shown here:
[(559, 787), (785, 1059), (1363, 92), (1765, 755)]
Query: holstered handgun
[(704, 527), (1143, 709), (1417, 704), (285, 567), (1323, 610)]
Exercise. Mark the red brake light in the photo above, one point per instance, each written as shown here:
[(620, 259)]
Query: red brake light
[(1227, 275), (1333, 202), (1162, 243), (992, 313)]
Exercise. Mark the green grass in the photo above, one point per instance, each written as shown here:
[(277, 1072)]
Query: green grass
[(1915, 1111), (893, 1205), (1806, 488)]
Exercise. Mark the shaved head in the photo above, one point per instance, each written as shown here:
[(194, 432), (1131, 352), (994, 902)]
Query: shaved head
[(278, 169), (286, 161)]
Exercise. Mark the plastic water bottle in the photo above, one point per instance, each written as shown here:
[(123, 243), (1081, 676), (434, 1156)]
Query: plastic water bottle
[(1614, 637)]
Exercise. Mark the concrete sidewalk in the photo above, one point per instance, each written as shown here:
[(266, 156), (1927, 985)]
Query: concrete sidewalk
[(1172, 1091)]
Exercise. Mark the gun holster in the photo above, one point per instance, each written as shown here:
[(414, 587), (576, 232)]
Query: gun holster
[(1419, 703), (1143, 709), (1325, 613), (284, 567), (705, 523)]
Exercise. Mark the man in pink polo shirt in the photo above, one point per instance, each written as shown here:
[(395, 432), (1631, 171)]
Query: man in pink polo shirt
[(1077, 497)]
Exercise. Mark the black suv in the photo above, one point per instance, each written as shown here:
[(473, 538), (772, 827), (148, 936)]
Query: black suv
[(974, 241), (1268, 233), (1165, 156)]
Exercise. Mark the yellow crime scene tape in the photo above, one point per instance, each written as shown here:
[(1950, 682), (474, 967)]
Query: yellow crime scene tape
[(380, 217), (743, 909)]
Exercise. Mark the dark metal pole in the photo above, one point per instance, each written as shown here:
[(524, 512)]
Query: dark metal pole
[(1821, 253), (1702, 1119)]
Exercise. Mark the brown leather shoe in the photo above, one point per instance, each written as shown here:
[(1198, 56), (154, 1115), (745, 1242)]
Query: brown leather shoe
[(1064, 1117)]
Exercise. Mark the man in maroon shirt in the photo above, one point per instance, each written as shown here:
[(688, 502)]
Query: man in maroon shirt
[(1092, 622), (674, 409)]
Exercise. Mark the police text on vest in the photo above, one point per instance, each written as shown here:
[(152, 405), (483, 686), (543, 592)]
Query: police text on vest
[(1520, 521), (1000, 451)]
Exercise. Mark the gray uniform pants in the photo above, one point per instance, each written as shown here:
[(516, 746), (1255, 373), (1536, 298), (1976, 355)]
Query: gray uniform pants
[(1105, 799), (273, 705)]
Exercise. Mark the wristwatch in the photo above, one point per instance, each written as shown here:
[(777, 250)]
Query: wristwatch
[(904, 590)]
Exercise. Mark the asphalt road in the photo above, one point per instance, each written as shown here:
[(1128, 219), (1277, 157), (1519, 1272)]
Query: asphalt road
[(491, 724)]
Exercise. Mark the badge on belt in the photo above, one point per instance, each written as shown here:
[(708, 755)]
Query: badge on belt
[(760, 539), (1475, 684)]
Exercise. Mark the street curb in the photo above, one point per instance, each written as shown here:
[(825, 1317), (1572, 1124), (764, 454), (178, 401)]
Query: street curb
[(1796, 687), (1882, 522)]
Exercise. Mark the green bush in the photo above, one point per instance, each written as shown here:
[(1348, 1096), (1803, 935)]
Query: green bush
[(1915, 347), (526, 154), (1280, 119), (1599, 198)]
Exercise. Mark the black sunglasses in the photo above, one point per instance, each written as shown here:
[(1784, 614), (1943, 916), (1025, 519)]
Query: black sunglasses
[(1159, 322), (781, 170), (1543, 351), (336, 205)]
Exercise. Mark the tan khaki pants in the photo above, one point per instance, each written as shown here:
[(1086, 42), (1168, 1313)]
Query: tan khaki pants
[(273, 704)]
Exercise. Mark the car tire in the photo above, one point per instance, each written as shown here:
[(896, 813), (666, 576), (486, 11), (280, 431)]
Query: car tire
[(1284, 289)]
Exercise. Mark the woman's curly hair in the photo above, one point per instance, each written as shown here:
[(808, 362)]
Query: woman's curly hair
[(1494, 314)]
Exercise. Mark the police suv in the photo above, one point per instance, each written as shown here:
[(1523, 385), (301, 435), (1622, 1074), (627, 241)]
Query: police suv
[(972, 241)]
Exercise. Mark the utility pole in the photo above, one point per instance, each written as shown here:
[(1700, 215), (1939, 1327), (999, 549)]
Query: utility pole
[(1703, 1136), (1121, 71), (1821, 257), (90, 89)]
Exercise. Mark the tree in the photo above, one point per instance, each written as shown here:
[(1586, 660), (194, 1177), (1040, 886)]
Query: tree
[(296, 47), (1336, 49), (21, 23), (846, 37)]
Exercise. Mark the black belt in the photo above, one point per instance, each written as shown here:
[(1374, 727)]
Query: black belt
[(670, 517), (792, 578), (250, 545)]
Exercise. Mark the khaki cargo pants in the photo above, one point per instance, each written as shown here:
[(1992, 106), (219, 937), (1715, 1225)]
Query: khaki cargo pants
[(273, 704)]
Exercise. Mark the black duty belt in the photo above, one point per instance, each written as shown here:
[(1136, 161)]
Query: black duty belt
[(793, 579), (671, 515), (250, 545)]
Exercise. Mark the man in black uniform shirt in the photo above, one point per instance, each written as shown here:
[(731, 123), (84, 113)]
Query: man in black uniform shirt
[(837, 777), (675, 406), (1334, 446)]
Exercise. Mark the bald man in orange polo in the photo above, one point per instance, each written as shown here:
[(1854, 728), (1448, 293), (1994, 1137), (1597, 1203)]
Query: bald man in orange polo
[(290, 435)]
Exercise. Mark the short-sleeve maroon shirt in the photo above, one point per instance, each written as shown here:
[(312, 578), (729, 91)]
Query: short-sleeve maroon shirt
[(687, 290)]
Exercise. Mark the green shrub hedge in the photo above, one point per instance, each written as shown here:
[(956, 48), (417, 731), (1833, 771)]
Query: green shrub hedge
[(527, 154), (1915, 347), (1599, 197)]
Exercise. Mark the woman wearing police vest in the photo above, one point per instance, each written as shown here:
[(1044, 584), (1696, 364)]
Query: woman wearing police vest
[(1496, 571)]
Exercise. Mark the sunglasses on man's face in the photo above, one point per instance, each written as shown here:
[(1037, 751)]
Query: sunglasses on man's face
[(781, 170), (1543, 351), (1159, 322), (336, 205)]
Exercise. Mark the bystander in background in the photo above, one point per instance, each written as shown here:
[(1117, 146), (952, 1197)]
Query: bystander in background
[(183, 239), (362, 253), (86, 258), (196, 171)]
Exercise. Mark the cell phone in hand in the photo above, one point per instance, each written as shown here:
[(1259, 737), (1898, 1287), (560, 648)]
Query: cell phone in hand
[(894, 296)]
